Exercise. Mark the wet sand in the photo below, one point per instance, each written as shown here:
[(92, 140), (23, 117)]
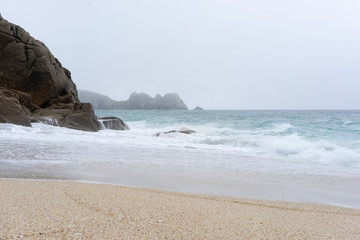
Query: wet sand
[(67, 210)]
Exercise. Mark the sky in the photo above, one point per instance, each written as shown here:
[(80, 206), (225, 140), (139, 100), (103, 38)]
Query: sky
[(218, 54)]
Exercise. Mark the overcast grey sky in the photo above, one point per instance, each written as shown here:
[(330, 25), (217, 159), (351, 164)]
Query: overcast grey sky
[(219, 54)]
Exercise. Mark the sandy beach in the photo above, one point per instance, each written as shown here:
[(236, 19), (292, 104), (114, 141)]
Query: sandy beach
[(67, 210)]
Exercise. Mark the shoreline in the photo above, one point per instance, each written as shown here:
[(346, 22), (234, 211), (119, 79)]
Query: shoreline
[(170, 191), (268, 161), (46, 209)]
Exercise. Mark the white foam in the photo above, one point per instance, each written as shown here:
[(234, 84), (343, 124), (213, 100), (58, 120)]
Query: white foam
[(245, 142), (215, 154)]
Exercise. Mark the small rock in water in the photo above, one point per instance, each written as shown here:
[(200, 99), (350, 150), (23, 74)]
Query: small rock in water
[(187, 131), (182, 130), (198, 108), (114, 123)]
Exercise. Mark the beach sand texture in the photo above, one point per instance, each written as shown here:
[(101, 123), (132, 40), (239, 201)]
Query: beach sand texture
[(64, 210)]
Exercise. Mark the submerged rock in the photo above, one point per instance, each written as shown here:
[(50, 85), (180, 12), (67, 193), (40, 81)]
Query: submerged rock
[(184, 131), (36, 87)]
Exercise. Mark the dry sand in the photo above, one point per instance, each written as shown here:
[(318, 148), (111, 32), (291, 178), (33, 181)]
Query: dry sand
[(62, 210)]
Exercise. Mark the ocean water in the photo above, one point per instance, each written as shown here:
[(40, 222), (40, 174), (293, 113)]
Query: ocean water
[(308, 156)]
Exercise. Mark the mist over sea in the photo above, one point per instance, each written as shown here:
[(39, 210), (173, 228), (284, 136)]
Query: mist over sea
[(311, 156)]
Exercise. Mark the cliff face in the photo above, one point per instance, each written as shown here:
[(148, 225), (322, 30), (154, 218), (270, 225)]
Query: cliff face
[(141, 101), (36, 85)]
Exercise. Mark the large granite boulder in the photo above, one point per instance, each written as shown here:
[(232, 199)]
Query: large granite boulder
[(28, 66), (78, 116), (36, 87), (82, 121), (11, 109)]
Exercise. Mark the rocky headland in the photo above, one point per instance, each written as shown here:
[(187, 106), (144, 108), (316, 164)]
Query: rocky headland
[(35, 87), (136, 101)]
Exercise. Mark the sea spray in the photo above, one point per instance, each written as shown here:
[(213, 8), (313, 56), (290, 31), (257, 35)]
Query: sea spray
[(316, 152)]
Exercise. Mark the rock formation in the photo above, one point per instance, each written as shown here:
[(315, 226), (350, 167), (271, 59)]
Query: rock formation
[(182, 130), (198, 108), (114, 123), (27, 65), (12, 107), (141, 101), (35, 87)]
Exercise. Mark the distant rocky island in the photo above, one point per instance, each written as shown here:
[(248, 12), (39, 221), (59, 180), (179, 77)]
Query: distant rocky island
[(198, 108), (35, 87), (140, 101)]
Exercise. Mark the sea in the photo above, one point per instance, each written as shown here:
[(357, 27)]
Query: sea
[(301, 156)]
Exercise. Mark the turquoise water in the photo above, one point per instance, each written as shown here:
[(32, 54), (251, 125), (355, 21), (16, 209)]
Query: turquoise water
[(308, 156), (328, 136)]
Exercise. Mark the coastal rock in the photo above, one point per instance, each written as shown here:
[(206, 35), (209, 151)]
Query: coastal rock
[(47, 115), (114, 123), (78, 116), (28, 66), (198, 108), (82, 121), (46, 120), (35, 87), (183, 130), (11, 110)]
